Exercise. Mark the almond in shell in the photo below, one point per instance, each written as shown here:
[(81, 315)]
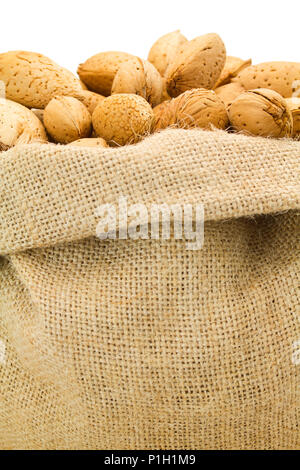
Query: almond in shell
[(233, 66), (283, 77), (89, 99), (198, 65), (19, 125), (164, 50), (229, 92), (294, 107), (139, 77), (33, 79), (98, 72), (261, 112), (67, 119), (194, 108), (89, 142)]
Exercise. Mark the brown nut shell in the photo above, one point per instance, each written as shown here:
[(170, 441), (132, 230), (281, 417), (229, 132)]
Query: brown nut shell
[(194, 108), (198, 65), (233, 66), (89, 99), (19, 125), (283, 77), (67, 119), (261, 112), (39, 113), (165, 115), (98, 72), (89, 142), (201, 108), (32, 79), (139, 77), (229, 92), (164, 50), (123, 119), (294, 107)]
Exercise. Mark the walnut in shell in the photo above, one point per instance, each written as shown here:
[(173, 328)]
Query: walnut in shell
[(67, 119), (198, 65), (139, 77), (261, 112)]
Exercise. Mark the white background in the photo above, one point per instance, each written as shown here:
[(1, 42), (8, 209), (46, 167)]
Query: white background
[(71, 31)]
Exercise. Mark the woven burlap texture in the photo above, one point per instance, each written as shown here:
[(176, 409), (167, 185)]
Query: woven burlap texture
[(126, 344)]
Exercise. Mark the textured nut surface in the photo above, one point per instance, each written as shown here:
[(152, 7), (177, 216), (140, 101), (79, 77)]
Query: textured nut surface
[(98, 72), (90, 142), (3, 147), (228, 93), (165, 115), (261, 112), (233, 66), (165, 95), (198, 64), (89, 99), (283, 77), (201, 108), (164, 50), (83, 85), (294, 107), (141, 78), (39, 113), (33, 80), (19, 125), (67, 119), (194, 108), (123, 119)]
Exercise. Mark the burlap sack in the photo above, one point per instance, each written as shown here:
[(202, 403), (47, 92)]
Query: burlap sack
[(127, 344)]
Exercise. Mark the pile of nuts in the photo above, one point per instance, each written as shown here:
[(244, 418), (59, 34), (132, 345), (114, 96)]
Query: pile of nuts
[(119, 98)]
